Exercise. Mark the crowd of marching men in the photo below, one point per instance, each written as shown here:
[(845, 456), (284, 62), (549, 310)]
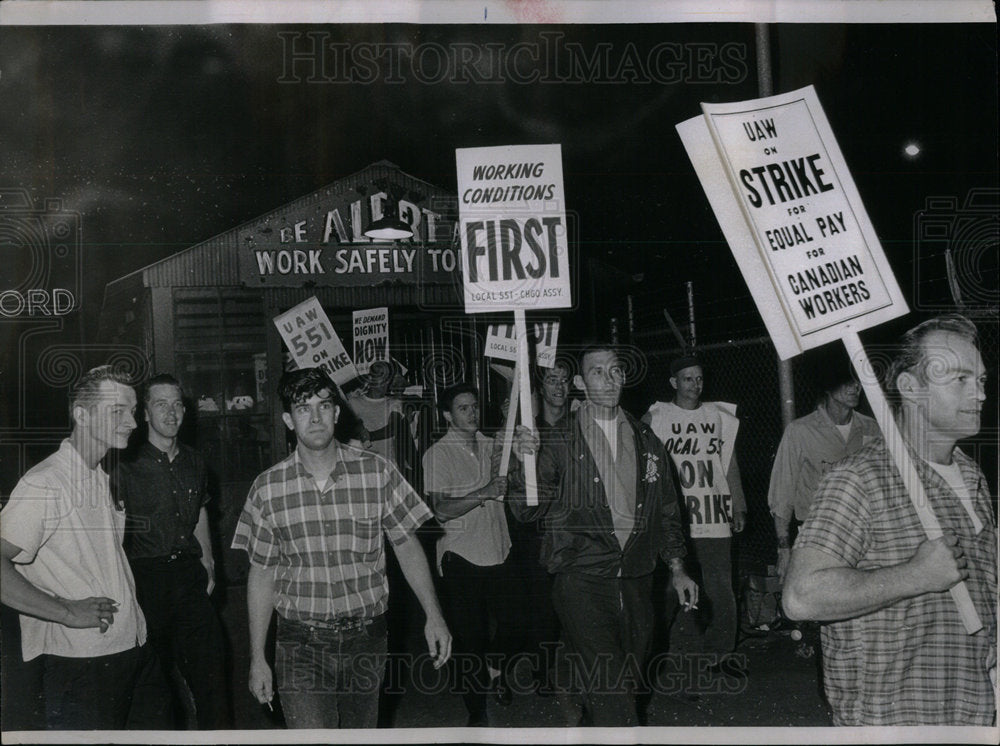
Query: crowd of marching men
[(549, 537)]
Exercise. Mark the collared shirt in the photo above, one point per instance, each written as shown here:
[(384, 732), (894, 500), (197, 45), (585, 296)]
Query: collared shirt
[(162, 501), (572, 501), (452, 469), (62, 517), (326, 543), (616, 465), (910, 663), (809, 446)]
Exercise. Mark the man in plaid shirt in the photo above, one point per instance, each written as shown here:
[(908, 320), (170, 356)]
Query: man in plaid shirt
[(313, 527), (896, 651)]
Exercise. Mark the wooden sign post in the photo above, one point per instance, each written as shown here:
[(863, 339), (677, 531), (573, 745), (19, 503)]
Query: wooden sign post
[(785, 199)]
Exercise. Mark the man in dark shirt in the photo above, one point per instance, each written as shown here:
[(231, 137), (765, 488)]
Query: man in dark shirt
[(164, 491), (610, 507)]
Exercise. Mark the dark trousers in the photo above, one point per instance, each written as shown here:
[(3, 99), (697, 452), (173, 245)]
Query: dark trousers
[(472, 596), (712, 628), (330, 678), (109, 692), (538, 625), (185, 630), (608, 623)]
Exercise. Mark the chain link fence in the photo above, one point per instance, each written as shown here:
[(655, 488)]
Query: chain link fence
[(746, 372)]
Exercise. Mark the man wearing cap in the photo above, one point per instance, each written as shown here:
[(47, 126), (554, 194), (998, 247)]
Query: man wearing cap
[(610, 509), (810, 445), (700, 438)]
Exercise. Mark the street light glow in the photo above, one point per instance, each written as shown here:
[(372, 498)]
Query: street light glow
[(912, 150)]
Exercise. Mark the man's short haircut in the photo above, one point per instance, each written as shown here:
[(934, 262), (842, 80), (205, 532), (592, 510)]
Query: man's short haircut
[(86, 391), (298, 385), (161, 379), (591, 346), (913, 356), (542, 372), (448, 396)]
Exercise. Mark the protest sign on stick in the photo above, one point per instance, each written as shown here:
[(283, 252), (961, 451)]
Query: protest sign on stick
[(791, 213), (312, 341), (512, 227), (371, 337)]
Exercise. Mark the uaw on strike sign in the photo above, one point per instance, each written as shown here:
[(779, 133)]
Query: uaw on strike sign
[(512, 223), (791, 213), (779, 186)]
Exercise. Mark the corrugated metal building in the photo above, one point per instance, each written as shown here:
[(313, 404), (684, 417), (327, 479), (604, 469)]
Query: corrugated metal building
[(206, 313)]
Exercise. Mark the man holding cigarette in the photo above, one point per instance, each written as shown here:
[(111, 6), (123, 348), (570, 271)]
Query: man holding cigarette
[(64, 569), (313, 526), (896, 651), (700, 437), (609, 508)]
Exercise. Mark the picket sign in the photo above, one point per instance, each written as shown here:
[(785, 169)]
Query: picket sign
[(515, 254), (781, 190), (312, 341)]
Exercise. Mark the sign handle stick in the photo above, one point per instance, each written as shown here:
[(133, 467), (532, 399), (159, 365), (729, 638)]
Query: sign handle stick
[(907, 470), (524, 382), (508, 434)]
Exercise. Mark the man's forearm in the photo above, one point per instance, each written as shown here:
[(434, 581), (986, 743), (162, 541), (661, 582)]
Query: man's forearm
[(449, 507), (413, 563), (837, 593), (20, 594), (781, 528), (203, 535), (260, 606)]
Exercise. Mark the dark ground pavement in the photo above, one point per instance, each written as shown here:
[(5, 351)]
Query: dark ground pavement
[(782, 689)]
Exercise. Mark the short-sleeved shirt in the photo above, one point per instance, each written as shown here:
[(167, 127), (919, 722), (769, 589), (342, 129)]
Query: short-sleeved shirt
[(377, 415), (809, 446), (325, 543), (62, 517), (911, 663), (162, 499), (452, 469)]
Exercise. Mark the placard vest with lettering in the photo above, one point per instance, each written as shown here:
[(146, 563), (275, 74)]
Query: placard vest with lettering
[(700, 442)]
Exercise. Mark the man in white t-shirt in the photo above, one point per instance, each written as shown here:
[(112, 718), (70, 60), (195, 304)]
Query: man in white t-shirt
[(700, 438), (472, 554), (63, 567)]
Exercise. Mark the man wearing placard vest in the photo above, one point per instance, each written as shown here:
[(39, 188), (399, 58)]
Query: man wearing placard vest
[(700, 438), (895, 650), (609, 509)]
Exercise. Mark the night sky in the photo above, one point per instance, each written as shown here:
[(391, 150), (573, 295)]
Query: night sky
[(162, 137)]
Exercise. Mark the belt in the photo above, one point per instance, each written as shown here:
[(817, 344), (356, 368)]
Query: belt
[(166, 558), (344, 623)]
